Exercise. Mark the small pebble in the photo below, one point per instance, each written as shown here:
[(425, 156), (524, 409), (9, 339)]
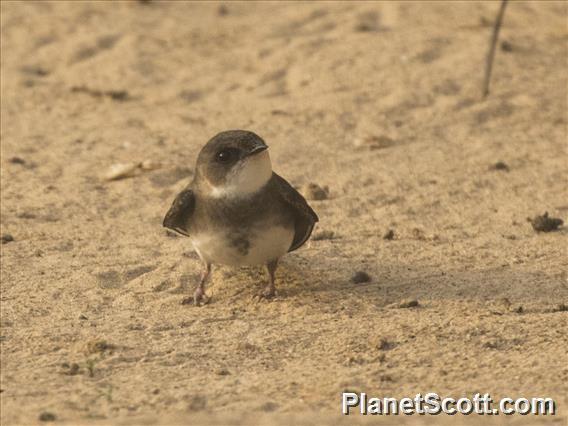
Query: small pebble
[(544, 223), (312, 191), (409, 303), (7, 238), (17, 160), (222, 10), (269, 406), (500, 165), (360, 277), (121, 171), (117, 95), (368, 22), (419, 234), (98, 346), (150, 165), (323, 235), (384, 344), (389, 235), (222, 372), (46, 416), (506, 46), (73, 369)]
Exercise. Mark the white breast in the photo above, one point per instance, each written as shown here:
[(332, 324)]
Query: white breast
[(262, 245)]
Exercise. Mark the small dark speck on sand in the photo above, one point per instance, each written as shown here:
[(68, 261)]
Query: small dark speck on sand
[(46, 416), (118, 95), (384, 344), (222, 10), (7, 238), (313, 191), (17, 160), (499, 165), (323, 235), (545, 223), (389, 235), (506, 46), (360, 277)]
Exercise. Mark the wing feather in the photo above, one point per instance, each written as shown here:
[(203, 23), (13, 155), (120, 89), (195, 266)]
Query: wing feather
[(180, 212), (306, 218)]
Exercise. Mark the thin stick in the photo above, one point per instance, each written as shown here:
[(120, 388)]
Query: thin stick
[(491, 53)]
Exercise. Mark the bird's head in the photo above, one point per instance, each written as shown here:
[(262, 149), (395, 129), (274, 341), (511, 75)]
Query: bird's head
[(234, 163)]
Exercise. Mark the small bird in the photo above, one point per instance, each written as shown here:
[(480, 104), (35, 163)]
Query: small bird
[(237, 211)]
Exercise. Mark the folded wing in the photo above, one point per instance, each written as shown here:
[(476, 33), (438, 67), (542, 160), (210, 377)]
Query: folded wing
[(305, 217), (180, 212)]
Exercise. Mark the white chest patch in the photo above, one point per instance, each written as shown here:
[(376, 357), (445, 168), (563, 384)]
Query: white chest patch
[(246, 177), (259, 246)]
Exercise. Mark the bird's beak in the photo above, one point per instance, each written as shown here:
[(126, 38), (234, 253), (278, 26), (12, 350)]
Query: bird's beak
[(257, 150)]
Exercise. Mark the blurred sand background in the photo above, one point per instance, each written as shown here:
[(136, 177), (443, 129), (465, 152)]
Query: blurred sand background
[(378, 101)]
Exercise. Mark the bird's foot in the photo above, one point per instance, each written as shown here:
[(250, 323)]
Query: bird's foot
[(268, 293), (199, 298)]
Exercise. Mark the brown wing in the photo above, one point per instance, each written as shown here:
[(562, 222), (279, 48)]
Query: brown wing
[(179, 213), (304, 215)]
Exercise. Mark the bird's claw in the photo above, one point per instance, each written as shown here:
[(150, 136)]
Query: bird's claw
[(199, 298), (267, 294)]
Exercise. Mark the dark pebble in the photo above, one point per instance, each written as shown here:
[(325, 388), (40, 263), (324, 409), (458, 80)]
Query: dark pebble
[(118, 95), (389, 235), (46, 416), (222, 10), (500, 165), (7, 238), (544, 223), (360, 277), (17, 160), (384, 345), (506, 46)]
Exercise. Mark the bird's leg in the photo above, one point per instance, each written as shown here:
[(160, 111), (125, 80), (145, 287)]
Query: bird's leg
[(270, 290), (199, 296)]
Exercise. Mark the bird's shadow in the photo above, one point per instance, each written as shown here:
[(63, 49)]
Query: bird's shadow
[(315, 278)]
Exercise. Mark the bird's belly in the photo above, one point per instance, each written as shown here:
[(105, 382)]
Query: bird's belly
[(235, 248)]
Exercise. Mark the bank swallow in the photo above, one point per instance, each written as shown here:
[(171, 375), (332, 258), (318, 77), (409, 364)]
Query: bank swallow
[(237, 211)]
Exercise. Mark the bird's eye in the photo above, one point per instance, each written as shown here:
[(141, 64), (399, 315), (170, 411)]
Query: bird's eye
[(226, 155)]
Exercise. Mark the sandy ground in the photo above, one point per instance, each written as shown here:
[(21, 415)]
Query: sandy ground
[(378, 101)]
